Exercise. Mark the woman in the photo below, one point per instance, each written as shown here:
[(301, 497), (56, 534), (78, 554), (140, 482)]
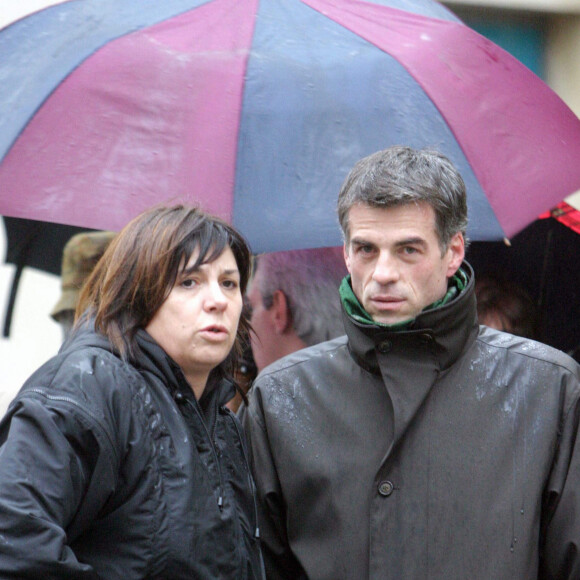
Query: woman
[(119, 458)]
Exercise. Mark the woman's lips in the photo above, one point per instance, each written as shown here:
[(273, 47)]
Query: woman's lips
[(215, 332)]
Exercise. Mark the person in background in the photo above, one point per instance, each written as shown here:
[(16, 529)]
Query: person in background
[(80, 255), (421, 444), (505, 306), (118, 458), (293, 301)]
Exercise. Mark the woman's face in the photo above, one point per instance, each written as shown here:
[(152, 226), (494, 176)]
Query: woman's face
[(198, 322)]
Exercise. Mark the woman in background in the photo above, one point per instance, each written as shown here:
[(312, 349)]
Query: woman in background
[(118, 458)]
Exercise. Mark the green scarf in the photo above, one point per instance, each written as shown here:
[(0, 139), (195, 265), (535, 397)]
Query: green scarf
[(354, 309)]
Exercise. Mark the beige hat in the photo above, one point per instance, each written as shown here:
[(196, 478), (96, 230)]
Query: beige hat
[(79, 257)]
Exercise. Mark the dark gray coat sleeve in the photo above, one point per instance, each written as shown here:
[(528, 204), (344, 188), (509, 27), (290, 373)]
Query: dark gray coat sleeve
[(56, 471), (279, 560), (560, 542)]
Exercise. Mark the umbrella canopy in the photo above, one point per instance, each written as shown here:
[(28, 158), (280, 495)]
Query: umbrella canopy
[(35, 244), (543, 260), (257, 110)]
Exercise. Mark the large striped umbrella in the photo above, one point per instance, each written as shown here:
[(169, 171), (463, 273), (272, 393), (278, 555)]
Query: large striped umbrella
[(257, 109)]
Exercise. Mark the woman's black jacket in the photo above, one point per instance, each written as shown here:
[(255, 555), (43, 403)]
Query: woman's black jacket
[(112, 470)]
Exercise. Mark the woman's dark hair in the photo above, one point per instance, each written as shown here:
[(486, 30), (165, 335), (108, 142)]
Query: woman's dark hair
[(140, 267)]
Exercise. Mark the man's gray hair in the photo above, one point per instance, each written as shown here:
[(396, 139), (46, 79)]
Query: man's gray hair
[(309, 279), (399, 176)]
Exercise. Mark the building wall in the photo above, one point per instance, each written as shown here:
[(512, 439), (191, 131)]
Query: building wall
[(552, 6), (563, 59)]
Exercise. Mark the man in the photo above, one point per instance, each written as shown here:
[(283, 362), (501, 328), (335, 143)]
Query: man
[(294, 302), (420, 445), (80, 255)]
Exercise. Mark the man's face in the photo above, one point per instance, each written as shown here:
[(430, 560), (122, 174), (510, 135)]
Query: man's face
[(263, 338), (395, 261)]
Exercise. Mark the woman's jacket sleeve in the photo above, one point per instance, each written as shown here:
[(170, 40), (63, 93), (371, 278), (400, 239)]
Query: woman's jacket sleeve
[(57, 466)]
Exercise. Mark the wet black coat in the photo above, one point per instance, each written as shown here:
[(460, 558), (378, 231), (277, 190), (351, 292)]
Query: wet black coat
[(447, 451), (115, 472)]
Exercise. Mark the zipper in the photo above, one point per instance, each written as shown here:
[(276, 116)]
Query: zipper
[(250, 480), (211, 437), (180, 398)]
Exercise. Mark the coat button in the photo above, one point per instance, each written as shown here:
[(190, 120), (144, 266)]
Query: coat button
[(386, 488), (385, 346)]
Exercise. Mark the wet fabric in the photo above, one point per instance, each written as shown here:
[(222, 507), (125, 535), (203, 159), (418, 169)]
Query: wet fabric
[(443, 451), (114, 471)]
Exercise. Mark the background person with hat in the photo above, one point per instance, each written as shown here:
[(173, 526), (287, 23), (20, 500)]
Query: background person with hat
[(79, 257)]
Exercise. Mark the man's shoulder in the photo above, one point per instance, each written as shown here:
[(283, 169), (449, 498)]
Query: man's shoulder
[(297, 381), (323, 354), (533, 351)]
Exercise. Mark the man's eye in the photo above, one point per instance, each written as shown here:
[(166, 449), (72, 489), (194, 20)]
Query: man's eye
[(364, 249), (410, 250)]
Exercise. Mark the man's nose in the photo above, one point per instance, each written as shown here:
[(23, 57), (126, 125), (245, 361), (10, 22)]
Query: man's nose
[(386, 270)]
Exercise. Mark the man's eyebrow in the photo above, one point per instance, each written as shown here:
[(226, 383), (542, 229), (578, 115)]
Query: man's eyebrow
[(411, 242), (360, 241)]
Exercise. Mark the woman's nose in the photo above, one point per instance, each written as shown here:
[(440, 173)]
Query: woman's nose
[(215, 298)]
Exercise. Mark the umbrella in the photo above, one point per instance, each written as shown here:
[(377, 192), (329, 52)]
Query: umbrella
[(543, 260), (257, 110), (37, 245), (566, 214)]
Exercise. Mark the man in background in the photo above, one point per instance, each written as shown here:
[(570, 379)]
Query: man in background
[(79, 257), (294, 301)]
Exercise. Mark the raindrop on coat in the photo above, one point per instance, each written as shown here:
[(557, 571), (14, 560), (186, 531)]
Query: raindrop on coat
[(85, 367)]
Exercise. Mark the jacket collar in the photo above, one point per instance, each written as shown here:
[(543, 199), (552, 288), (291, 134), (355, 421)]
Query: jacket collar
[(444, 331), (411, 361), (158, 362), (153, 359)]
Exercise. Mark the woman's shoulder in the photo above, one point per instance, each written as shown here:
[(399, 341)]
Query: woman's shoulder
[(85, 378)]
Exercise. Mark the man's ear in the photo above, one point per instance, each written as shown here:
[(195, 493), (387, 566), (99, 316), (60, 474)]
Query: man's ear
[(346, 256), (280, 312), (456, 252)]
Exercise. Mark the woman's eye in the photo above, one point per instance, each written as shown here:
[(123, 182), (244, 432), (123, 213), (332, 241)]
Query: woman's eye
[(189, 283), (230, 284)]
